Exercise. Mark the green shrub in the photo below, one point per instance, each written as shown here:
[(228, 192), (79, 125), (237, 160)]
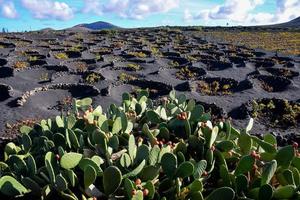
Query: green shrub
[(142, 151)]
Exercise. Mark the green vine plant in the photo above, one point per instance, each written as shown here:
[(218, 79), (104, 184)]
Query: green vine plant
[(140, 150)]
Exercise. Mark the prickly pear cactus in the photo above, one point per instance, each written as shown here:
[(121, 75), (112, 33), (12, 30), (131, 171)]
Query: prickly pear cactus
[(146, 150)]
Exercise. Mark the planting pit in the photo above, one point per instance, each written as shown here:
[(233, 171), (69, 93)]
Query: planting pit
[(214, 65), (215, 86), (155, 89), (5, 92), (190, 73), (275, 112), (273, 83), (6, 72), (284, 72)]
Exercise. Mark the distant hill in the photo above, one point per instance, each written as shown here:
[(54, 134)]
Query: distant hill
[(295, 23), (95, 26)]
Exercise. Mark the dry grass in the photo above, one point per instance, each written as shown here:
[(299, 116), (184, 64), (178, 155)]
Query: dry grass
[(284, 42)]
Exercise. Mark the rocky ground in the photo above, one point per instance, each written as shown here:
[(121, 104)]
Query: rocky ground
[(41, 71)]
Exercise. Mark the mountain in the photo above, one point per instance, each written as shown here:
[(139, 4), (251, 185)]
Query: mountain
[(295, 23), (95, 26)]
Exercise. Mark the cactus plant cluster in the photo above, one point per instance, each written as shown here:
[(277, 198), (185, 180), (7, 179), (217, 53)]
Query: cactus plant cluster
[(141, 150)]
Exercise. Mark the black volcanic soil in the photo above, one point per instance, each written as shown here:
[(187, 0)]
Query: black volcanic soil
[(40, 71)]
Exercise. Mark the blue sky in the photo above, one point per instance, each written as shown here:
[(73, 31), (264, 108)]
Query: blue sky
[(20, 15)]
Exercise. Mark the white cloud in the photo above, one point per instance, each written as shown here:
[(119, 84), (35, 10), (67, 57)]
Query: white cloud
[(234, 10), (240, 11), (286, 10), (47, 9), (187, 15), (9, 10), (92, 6), (134, 9)]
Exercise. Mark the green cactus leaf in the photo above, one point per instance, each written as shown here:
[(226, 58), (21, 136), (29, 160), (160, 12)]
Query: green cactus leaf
[(132, 147), (288, 176), (296, 162), (70, 160), (199, 169), (181, 98), (191, 105), (117, 126), (209, 157), (73, 139), (3, 167), (172, 95), (59, 140), (59, 122), (253, 193), (31, 184), (90, 175), (270, 139), (98, 160), (151, 188), (244, 165), (148, 133), (210, 135), (97, 111), (285, 192), (68, 141), (61, 183), (71, 121), (71, 177), (224, 174), (285, 156), (125, 160), (129, 127), (25, 129), (187, 127), (99, 137), (245, 142), (138, 195), (10, 148), (169, 164), (250, 125), (149, 173), (225, 193), (31, 165), (265, 192), (153, 117), (9, 186), (50, 171), (154, 154), (136, 171), (196, 186), (196, 113), (67, 196), (296, 175), (85, 162), (268, 172), (225, 145), (242, 184), (124, 121), (112, 178), (265, 145), (17, 163), (129, 187), (142, 153), (185, 169), (26, 141), (84, 102), (196, 196), (113, 142)]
